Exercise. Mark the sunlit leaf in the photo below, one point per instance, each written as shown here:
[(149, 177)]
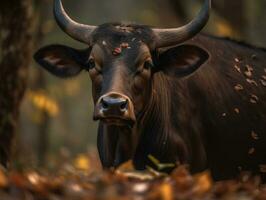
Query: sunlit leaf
[(160, 166), (224, 29), (43, 102), (3, 179), (166, 191), (203, 183), (82, 163)]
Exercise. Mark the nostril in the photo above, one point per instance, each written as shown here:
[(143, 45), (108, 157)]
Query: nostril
[(123, 105), (104, 104)]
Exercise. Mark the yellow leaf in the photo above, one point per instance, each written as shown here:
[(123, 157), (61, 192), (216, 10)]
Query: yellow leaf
[(43, 102), (224, 29), (3, 179), (127, 166), (166, 191), (160, 166), (82, 163), (203, 183)]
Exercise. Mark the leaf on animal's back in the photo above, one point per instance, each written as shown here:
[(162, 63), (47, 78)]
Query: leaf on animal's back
[(254, 99), (263, 82), (248, 74), (254, 135), (252, 82), (238, 60), (237, 68), (251, 151), (262, 168), (239, 87), (237, 110)]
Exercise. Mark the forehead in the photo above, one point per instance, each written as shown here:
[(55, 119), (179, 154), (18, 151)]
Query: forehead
[(127, 36)]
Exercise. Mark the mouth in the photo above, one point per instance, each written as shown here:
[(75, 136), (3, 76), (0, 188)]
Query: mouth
[(117, 121)]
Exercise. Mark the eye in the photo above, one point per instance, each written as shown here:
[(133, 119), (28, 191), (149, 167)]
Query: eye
[(148, 64), (90, 64)]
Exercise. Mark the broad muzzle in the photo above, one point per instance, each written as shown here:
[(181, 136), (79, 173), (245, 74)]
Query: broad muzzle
[(115, 108)]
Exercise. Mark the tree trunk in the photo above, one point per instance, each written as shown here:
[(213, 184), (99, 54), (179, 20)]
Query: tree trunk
[(15, 56), (40, 83)]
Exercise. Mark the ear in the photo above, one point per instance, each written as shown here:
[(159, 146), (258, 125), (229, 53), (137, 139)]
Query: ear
[(61, 60), (182, 60)]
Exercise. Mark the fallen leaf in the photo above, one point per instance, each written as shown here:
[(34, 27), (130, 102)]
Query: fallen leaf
[(137, 175), (140, 187), (160, 166), (3, 179), (127, 166), (203, 182), (82, 163), (166, 191)]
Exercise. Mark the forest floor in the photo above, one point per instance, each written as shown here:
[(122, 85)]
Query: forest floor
[(83, 179)]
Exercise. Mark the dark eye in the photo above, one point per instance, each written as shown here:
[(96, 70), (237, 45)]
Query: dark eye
[(90, 64), (148, 64)]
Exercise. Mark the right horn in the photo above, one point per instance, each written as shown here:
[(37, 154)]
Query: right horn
[(75, 30), (174, 36)]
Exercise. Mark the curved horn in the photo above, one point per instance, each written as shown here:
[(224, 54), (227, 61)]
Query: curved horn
[(173, 36), (75, 30)]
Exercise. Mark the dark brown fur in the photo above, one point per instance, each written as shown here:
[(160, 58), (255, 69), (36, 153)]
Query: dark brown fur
[(199, 119)]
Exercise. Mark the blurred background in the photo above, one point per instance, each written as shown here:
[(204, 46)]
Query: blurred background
[(56, 114)]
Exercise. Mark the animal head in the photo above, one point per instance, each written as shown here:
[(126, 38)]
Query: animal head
[(121, 60)]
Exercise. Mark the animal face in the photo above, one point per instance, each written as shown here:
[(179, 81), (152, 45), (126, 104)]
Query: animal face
[(121, 61)]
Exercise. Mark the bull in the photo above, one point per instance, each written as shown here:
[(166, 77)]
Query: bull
[(178, 95)]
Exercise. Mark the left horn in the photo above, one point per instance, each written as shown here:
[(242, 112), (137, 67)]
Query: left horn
[(173, 36), (75, 30)]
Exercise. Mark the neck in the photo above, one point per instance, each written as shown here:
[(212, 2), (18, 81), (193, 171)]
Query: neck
[(157, 135)]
